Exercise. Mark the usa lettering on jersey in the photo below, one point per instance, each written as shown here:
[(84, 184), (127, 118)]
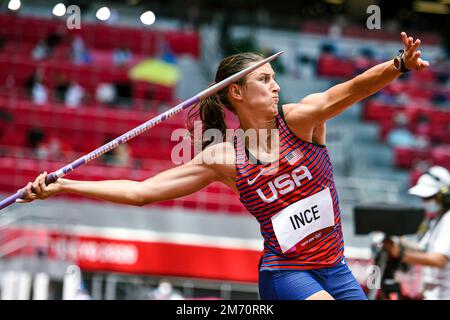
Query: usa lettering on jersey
[(285, 184)]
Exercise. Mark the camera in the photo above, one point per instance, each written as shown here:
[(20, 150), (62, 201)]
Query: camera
[(390, 220)]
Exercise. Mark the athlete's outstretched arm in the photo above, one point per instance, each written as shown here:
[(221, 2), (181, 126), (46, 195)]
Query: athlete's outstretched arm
[(326, 105), (170, 184)]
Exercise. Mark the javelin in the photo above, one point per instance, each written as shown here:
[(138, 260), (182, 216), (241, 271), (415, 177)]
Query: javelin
[(52, 177)]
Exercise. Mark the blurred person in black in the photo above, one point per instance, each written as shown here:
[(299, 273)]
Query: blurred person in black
[(433, 249)]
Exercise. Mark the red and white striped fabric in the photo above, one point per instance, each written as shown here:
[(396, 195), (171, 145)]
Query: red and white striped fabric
[(295, 202)]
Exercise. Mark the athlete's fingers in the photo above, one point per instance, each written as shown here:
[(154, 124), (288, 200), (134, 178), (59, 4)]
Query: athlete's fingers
[(423, 64), (404, 39), (28, 189), (36, 185), (42, 183), (416, 44), (416, 55), (28, 195), (412, 50)]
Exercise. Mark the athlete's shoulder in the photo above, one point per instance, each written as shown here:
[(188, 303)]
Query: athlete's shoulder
[(299, 115), (221, 158), (288, 108), (297, 111), (217, 154)]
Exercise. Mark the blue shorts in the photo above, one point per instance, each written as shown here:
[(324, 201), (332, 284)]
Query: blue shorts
[(338, 281)]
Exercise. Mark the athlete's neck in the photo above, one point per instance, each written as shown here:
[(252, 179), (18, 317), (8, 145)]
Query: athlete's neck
[(263, 142), (258, 121)]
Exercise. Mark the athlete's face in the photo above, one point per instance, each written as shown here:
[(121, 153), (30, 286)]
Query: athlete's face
[(260, 90)]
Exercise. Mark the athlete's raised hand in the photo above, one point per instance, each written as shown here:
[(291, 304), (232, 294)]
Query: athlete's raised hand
[(411, 57)]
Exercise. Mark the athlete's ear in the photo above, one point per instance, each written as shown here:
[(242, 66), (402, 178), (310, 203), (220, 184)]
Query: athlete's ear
[(235, 91)]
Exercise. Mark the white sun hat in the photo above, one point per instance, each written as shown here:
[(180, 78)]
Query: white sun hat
[(431, 182)]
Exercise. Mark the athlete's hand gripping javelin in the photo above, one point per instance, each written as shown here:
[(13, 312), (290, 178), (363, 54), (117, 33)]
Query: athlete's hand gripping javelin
[(42, 191)]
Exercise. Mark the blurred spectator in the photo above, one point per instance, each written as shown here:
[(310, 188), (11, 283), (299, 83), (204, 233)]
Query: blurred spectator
[(106, 93), (5, 119), (403, 99), (422, 142), (34, 137), (328, 48), (307, 67), (61, 87), (364, 60), (386, 97), (442, 70), (113, 17), (29, 83), (45, 47), (40, 51), (401, 136), (2, 43), (433, 249), (423, 126), (168, 55), (58, 150), (80, 54), (165, 291), (335, 30), (122, 56), (39, 93), (124, 93), (440, 100), (74, 95), (224, 19), (53, 149), (120, 156), (5, 116), (193, 18), (53, 39), (36, 77)]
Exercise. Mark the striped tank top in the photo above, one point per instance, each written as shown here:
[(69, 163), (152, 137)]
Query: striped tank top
[(295, 202)]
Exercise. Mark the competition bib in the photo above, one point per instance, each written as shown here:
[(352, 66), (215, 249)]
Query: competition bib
[(304, 221)]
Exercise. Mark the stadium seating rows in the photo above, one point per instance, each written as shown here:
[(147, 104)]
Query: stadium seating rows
[(356, 31), (32, 29), (85, 129), (15, 72), (384, 114), (407, 158)]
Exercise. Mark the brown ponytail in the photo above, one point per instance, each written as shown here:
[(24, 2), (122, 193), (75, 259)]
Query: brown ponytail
[(210, 110)]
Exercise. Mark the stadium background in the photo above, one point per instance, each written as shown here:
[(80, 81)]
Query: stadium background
[(65, 92)]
